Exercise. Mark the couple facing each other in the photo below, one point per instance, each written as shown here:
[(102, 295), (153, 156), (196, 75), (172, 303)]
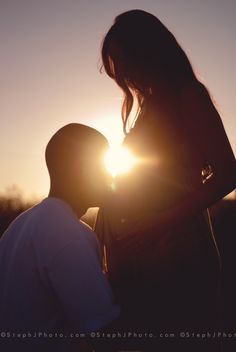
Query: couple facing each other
[(163, 262)]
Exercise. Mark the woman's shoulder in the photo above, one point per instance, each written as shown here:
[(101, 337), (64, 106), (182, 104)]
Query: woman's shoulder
[(198, 106), (195, 92)]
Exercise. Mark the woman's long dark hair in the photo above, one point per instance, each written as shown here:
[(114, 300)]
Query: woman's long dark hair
[(140, 53)]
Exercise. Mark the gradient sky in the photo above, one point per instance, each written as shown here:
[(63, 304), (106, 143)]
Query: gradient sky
[(50, 76)]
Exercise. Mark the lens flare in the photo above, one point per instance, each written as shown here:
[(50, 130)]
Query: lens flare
[(119, 160)]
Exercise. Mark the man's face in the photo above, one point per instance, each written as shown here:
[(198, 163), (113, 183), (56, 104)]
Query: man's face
[(99, 179), (95, 177)]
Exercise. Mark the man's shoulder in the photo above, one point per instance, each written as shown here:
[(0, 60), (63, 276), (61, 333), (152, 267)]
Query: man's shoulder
[(55, 217), (49, 217), (21, 219), (54, 226), (53, 207)]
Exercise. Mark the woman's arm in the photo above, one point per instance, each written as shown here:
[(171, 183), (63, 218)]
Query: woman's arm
[(209, 145)]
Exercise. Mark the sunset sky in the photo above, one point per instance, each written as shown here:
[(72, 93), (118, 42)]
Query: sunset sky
[(49, 63)]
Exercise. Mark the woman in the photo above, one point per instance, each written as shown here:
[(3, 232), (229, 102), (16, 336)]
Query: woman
[(162, 259)]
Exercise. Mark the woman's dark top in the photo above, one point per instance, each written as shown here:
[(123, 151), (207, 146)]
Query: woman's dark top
[(171, 283)]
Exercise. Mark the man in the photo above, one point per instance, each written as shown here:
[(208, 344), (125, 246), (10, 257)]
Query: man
[(50, 266)]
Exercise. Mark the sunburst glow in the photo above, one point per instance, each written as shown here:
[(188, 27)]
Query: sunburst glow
[(119, 160)]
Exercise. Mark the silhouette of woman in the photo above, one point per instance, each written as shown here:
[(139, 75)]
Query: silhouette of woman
[(161, 255)]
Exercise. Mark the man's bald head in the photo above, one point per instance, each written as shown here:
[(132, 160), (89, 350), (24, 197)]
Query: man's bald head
[(73, 145), (75, 161)]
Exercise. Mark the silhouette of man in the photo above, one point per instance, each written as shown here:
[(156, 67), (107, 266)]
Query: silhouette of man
[(50, 266)]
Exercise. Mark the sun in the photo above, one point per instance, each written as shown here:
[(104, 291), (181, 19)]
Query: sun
[(119, 160)]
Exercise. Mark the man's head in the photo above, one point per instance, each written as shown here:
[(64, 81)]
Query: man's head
[(74, 157)]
